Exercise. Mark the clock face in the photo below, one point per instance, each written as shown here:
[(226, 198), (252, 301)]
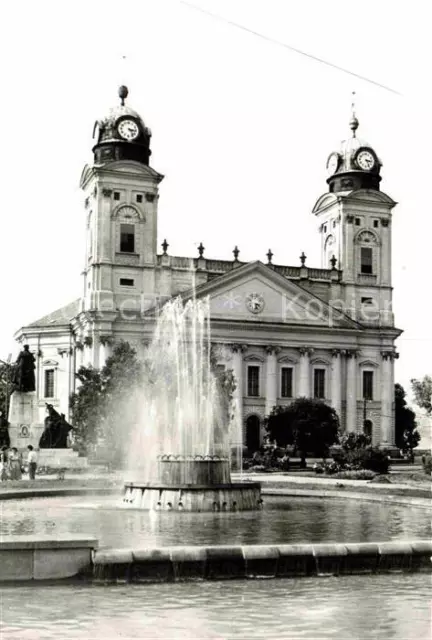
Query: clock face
[(365, 160), (333, 163), (128, 129), (255, 302)]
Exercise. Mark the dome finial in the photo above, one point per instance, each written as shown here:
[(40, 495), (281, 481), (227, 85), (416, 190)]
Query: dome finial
[(354, 123), (123, 93)]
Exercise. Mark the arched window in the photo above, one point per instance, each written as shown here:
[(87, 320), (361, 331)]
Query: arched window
[(367, 252), (329, 250)]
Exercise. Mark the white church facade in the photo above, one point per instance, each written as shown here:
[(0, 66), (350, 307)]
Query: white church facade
[(286, 331)]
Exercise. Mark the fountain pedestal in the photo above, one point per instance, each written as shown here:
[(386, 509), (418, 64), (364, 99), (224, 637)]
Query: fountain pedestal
[(199, 483)]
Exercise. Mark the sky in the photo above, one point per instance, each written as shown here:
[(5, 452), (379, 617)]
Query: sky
[(242, 128)]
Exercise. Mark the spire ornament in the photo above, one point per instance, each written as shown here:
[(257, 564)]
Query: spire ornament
[(201, 250), (303, 259), (165, 246), (236, 253), (333, 262), (269, 256), (354, 123), (123, 94)]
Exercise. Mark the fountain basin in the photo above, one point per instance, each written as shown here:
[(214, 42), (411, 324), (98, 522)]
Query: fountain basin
[(192, 483), (187, 497)]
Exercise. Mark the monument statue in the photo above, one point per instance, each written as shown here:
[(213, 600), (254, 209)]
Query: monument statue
[(24, 376), (56, 430)]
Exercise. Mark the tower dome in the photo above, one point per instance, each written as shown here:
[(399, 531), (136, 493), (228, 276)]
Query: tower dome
[(121, 135), (355, 165)]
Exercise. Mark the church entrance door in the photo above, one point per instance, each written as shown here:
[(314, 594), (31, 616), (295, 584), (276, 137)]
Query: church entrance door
[(253, 435)]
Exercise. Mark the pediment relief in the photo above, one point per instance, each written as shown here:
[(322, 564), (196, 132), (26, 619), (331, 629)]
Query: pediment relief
[(287, 360), (367, 236), (253, 358), (127, 212), (368, 363), (320, 360), (50, 363)]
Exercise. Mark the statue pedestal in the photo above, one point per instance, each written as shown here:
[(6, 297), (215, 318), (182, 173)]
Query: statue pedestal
[(61, 459), (25, 426)]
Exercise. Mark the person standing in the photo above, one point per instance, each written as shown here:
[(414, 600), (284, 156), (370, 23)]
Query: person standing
[(32, 462), (15, 464), (3, 464)]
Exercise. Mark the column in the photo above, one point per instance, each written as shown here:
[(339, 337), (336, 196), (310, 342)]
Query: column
[(237, 360), (271, 378), (336, 381), (387, 399), (351, 392), (304, 389)]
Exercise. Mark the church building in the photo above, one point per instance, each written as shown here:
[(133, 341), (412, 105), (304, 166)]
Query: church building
[(285, 330)]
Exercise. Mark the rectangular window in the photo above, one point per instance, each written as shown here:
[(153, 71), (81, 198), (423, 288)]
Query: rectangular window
[(366, 260), (253, 381), (127, 282), (49, 383), (139, 198), (366, 301), (286, 382), (127, 238), (368, 385), (319, 383), (357, 221), (116, 195), (376, 224)]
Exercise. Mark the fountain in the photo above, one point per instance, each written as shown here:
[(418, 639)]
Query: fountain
[(181, 448)]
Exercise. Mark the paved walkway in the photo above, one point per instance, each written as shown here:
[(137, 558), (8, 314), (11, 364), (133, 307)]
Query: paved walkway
[(298, 479)]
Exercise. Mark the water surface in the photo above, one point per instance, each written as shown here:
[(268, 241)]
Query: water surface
[(349, 608), (283, 520)]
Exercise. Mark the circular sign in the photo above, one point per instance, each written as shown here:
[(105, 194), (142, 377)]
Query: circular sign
[(255, 302)]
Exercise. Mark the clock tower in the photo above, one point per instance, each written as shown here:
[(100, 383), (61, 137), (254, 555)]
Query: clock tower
[(120, 198), (355, 228)]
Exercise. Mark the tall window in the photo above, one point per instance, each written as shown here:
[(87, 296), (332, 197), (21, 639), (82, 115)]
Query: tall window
[(365, 260), (127, 238), (319, 383), (49, 383), (368, 385), (286, 382), (253, 381)]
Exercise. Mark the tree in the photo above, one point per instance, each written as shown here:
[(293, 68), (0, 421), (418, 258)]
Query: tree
[(308, 424), (105, 406), (406, 435), (422, 390), (6, 387)]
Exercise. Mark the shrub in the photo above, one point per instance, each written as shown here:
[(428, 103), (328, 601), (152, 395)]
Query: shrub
[(356, 453), (373, 459), (427, 464), (361, 474)]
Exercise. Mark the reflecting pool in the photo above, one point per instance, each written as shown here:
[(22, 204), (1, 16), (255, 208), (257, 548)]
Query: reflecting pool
[(283, 520), (353, 607)]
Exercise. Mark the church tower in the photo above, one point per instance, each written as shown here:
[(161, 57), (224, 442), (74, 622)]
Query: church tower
[(355, 228), (120, 198)]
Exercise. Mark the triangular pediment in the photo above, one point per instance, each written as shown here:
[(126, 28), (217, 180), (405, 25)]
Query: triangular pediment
[(365, 196), (126, 167), (256, 293)]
